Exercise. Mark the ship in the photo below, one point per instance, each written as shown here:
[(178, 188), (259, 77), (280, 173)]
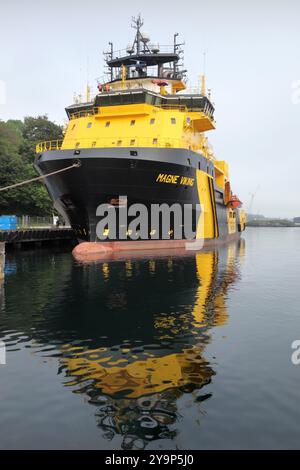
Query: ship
[(141, 140)]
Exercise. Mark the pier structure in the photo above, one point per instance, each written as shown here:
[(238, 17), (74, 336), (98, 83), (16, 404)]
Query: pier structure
[(2, 261), (36, 237)]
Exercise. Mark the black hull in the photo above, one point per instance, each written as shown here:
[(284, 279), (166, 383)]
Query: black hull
[(106, 174)]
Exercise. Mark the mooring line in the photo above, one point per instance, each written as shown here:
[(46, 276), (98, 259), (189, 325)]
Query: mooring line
[(38, 178)]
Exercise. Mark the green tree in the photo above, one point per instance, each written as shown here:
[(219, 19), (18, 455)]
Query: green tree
[(36, 130), (17, 152)]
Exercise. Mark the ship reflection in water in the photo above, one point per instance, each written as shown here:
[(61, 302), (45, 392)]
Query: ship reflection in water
[(129, 335)]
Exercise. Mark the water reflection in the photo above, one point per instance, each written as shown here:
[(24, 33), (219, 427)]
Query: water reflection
[(129, 335)]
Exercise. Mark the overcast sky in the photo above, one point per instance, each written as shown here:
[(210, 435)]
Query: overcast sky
[(50, 47)]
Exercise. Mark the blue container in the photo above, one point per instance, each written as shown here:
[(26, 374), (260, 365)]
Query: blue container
[(8, 222)]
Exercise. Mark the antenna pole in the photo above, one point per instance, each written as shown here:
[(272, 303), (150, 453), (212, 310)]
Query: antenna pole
[(203, 90), (175, 50), (137, 23), (111, 54)]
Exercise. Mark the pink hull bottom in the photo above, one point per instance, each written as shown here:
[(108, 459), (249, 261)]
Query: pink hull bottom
[(89, 251)]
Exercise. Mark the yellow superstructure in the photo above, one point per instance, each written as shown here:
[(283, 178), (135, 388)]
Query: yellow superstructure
[(137, 125)]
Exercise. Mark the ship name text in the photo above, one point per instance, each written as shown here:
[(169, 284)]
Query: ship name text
[(175, 179)]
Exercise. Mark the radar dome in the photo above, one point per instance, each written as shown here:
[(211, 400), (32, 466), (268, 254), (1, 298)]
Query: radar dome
[(145, 37), (154, 48)]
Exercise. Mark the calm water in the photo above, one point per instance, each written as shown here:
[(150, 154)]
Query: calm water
[(188, 353)]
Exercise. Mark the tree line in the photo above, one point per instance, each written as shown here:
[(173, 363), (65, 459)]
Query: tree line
[(17, 152)]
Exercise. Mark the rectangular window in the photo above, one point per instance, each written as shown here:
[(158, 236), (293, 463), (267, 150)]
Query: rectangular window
[(152, 121), (89, 125), (77, 145), (119, 143), (73, 127), (107, 124), (94, 144), (154, 142), (132, 142), (132, 123), (173, 121)]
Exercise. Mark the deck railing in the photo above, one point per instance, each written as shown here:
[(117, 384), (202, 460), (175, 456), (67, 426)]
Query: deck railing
[(80, 114), (106, 142), (48, 145)]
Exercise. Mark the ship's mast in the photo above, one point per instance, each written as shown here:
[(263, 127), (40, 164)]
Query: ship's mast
[(144, 60), (137, 23), (139, 43), (178, 51)]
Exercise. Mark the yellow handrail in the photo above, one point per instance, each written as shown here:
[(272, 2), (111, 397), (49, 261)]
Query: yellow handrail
[(109, 142), (80, 114), (48, 145)]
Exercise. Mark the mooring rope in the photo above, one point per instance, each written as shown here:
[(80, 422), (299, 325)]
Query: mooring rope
[(38, 178)]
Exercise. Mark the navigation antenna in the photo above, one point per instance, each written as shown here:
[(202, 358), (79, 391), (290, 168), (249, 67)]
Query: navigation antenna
[(140, 39), (178, 51), (203, 87)]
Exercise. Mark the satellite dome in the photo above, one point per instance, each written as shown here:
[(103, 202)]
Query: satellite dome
[(129, 49), (154, 48), (145, 37)]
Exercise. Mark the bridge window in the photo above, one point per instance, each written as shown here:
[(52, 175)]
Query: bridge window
[(173, 120), (107, 124), (132, 123), (89, 125)]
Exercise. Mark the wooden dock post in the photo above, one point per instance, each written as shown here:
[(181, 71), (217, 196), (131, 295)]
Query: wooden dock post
[(2, 260)]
